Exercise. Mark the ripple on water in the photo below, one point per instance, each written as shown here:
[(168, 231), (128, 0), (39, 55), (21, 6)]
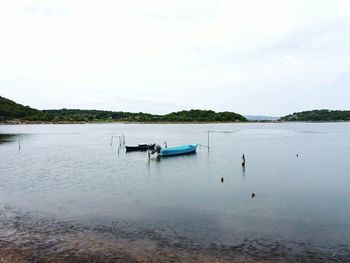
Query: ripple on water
[(178, 205)]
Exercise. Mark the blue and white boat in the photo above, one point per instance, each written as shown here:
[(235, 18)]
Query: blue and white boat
[(179, 150)]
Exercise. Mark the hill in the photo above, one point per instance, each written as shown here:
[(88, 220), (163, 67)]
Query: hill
[(318, 115), (12, 111), (202, 116), (76, 115), (181, 116)]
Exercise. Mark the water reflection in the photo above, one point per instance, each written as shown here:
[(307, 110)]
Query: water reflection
[(71, 171), (243, 170), (61, 241), (6, 138)]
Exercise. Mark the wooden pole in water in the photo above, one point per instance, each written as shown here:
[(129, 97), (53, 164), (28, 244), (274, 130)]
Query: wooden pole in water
[(19, 142), (243, 160), (208, 140)]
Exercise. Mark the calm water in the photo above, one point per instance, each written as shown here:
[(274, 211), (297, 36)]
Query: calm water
[(72, 173)]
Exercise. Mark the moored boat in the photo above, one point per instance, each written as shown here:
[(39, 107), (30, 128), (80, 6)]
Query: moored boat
[(140, 147), (179, 150)]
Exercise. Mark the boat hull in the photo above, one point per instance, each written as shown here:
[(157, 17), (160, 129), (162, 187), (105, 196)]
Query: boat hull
[(140, 148), (180, 150)]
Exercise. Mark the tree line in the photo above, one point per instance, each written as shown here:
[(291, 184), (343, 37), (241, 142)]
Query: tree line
[(318, 115), (10, 110)]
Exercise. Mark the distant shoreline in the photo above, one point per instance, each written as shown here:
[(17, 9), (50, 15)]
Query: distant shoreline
[(165, 123), (14, 113), (110, 122)]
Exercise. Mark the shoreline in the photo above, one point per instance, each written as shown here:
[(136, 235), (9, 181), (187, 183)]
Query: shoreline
[(111, 122), (164, 123), (28, 237)]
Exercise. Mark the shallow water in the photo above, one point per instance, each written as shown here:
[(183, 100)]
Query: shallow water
[(71, 173)]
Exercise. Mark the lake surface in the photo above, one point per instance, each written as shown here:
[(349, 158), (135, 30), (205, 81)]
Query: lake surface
[(299, 172)]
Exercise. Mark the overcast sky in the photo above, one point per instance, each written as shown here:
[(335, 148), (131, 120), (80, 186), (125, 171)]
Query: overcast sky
[(266, 57)]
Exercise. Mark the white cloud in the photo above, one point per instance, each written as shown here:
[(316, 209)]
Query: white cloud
[(223, 55)]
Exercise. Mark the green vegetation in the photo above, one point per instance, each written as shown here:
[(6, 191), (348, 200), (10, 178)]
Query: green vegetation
[(11, 111), (181, 116), (318, 115), (75, 115), (202, 116)]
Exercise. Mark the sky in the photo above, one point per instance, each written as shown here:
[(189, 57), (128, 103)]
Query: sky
[(260, 57)]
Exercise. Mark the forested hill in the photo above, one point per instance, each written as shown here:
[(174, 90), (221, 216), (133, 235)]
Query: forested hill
[(181, 116), (11, 111), (318, 115), (204, 116)]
